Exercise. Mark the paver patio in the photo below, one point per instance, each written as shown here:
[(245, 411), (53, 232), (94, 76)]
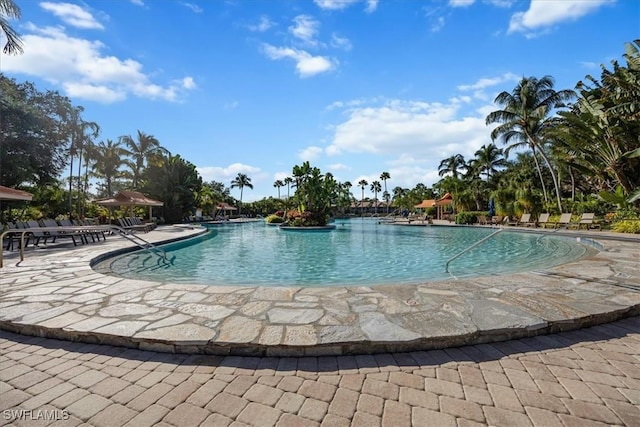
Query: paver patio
[(580, 377)]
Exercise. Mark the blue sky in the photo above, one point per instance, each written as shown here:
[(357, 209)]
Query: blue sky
[(357, 87)]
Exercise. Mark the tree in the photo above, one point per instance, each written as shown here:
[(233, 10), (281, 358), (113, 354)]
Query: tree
[(524, 115), (362, 183), (278, 184), (144, 149), (241, 181), (489, 160), (288, 181), (9, 9), (384, 176), (452, 165), (110, 157), (376, 187), (32, 135), (176, 182), (81, 134)]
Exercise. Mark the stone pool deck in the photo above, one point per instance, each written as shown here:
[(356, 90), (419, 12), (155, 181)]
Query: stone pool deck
[(55, 293)]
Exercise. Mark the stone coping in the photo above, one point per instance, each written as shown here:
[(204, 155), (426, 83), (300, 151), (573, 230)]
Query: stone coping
[(55, 293)]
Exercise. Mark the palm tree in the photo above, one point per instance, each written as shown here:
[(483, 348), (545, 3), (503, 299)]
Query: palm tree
[(452, 165), (241, 181), (145, 148), (278, 184), (109, 159), (524, 115), (288, 181), (489, 159), (79, 138), (384, 176), (375, 187), (362, 183), (9, 9)]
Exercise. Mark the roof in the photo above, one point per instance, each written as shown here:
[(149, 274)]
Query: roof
[(226, 207), (129, 198), (7, 193), (447, 199)]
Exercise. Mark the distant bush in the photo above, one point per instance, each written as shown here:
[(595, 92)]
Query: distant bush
[(467, 217), (274, 219)]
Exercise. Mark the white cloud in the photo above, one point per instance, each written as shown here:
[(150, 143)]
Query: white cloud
[(501, 3), (263, 25), (310, 153), (137, 2), (334, 4), (307, 65), (372, 5), (543, 14), (338, 167), (437, 25), (73, 15), (226, 174), (413, 128), (194, 7), (461, 3), (188, 83), (340, 42), (305, 28), (79, 66), (488, 82)]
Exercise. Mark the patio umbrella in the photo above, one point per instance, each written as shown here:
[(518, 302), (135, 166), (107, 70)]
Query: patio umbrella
[(492, 207)]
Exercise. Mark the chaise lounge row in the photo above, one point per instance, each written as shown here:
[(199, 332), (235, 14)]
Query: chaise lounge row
[(43, 232)]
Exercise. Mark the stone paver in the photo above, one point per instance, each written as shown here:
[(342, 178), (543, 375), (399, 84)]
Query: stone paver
[(385, 396)]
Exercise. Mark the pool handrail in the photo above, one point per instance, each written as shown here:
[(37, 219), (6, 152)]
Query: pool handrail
[(79, 229), (484, 239)]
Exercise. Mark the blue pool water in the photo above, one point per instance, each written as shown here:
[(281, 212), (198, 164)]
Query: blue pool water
[(356, 252)]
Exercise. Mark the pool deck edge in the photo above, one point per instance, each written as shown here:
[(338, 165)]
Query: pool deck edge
[(55, 294)]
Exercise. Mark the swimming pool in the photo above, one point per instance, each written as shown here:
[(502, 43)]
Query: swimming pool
[(357, 252)]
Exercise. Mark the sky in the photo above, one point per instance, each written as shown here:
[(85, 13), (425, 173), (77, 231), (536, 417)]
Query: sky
[(355, 87)]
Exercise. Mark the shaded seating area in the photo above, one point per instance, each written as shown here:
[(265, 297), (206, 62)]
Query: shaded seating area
[(131, 199)]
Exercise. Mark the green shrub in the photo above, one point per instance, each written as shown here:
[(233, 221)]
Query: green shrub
[(274, 219), (630, 226), (466, 218)]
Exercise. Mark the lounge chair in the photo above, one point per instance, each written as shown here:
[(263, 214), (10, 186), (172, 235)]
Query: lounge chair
[(497, 219), (525, 220), (587, 219), (563, 221), (482, 220), (543, 220)]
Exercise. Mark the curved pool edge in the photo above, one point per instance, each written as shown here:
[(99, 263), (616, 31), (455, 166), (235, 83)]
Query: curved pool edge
[(54, 298)]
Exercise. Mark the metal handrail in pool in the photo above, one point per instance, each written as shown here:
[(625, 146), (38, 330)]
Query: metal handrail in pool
[(82, 229), (484, 239)]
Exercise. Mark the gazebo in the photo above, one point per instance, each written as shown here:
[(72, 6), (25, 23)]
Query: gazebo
[(7, 193), (440, 203), (129, 198), (224, 208)]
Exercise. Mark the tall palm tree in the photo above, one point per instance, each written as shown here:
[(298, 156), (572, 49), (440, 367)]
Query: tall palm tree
[(288, 181), (109, 160), (278, 184), (362, 183), (384, 176), (241, 181), (145, 148), (524, 115), (452, 165), (489, 159), (376, 187), (79, 138), (10, 10)]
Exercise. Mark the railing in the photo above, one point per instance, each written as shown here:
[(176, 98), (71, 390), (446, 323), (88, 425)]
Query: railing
[(484, 239), (81, 230)]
